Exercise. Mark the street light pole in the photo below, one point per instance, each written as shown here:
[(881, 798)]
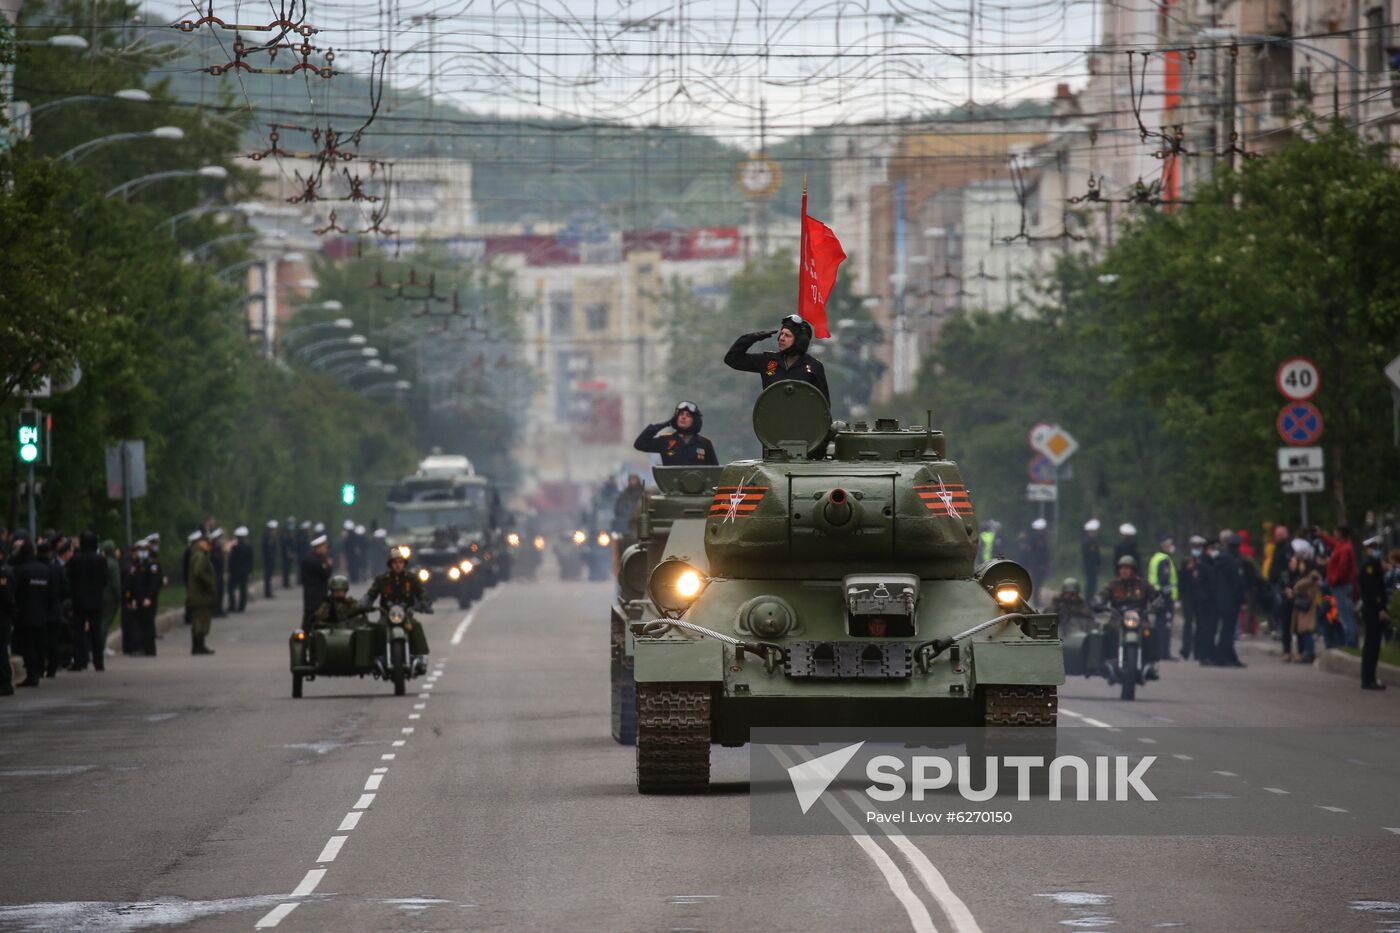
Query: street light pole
[(82, 150), (126, 188)]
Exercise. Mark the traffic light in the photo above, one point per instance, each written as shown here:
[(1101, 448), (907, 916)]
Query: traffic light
[(347, 493), (30, 436)]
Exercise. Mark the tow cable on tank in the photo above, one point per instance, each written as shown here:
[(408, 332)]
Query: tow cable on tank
[(658, 627), (926, 652)]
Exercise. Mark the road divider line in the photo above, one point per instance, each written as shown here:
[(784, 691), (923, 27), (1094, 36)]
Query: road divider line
[(1331, 809), (953, 907), (1087, 720), (1146, 741), (1393, 829), (381, 770), (1276, 790), (466, 622), (332, 849), (1183, 758), (420, 705), (352, 819), (917, 910), (407, 730), (364, 802), (415, 715), (399, 743), (308, 883), (1225, 773), (387, 756), (275, 916), (373, 781)]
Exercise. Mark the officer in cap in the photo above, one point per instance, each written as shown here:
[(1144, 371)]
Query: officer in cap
[(1127, 544), (240, 569), (377, 550), (272, 554), (789, 362), (685, 445), (141, 592), (1090, 555), (315, 577), (1161, 573)]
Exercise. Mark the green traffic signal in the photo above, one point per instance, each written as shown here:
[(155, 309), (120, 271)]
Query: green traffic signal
[(28, 436), (347, 493)]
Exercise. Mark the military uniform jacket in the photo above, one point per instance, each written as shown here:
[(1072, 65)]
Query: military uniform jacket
[(144, 581), (771, 367), (240, 561), (1132, 593), (315, 580), (87, 579), (336, 611), (676, 449), (201, 586), (390, 587)]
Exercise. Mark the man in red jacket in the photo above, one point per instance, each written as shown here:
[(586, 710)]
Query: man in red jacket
[(1342, 580)]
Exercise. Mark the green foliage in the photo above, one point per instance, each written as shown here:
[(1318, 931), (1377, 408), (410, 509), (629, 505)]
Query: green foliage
[(1160, 357)]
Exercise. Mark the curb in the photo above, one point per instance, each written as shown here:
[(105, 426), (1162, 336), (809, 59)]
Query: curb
[(165, 621), (1337, 661)]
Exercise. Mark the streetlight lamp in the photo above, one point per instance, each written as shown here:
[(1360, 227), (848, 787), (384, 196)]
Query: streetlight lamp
[(135, 94), (340, 323), (126, 188), (80, 151), (362, 354), (382, 388), (309, 351), (58, 42)]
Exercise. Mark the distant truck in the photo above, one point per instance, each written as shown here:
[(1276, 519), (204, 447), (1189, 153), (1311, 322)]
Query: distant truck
[(449, 517)]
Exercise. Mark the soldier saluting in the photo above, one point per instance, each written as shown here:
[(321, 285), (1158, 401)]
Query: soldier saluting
[(790, 362), (685, 446)]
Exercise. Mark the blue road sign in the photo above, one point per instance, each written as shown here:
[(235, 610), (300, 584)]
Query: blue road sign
[(1040, 469), (1300, 423)]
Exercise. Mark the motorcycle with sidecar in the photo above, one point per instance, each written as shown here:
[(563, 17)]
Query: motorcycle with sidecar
[(392, 648)]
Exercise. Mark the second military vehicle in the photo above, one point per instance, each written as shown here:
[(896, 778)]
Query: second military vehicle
[(834, 583)]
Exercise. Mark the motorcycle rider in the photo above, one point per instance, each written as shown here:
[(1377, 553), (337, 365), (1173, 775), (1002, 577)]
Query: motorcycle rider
[(1070, 604), (395, 585), (1130, 591)]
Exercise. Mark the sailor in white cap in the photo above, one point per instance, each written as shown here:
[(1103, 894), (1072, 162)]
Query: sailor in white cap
[(377, 549), (1127, 544), (1374, 611), (1090, 556), (240, 569), (272, 555), (316, 569), (1037, 554)]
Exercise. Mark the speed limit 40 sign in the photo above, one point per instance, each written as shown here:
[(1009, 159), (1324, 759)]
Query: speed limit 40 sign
[(1297, 379)]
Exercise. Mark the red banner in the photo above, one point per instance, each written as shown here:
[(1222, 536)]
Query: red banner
[(821, 255)]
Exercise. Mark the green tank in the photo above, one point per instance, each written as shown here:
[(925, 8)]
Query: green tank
[(833, 583), (678, 505)]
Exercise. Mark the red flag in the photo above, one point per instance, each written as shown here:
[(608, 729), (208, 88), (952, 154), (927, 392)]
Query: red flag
[(820, 255)]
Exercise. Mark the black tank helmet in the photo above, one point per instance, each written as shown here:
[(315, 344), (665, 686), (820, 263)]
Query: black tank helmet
[(694, 410), (801, 332)]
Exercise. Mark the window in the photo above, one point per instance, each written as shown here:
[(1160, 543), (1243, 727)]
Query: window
[(561, 313), (1375, 40), (596, 316)]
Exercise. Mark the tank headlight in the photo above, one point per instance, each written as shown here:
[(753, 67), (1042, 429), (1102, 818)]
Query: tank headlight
[(539, 542), (513, 539), (580, 537), (454, 574), (396, 614), (604, 539), (1008, 595), (675, 584), (424, 574)]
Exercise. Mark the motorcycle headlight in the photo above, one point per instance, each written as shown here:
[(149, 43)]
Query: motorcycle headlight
[(604, 539), (454, 574), (539, 542), (396, 614), (674, 585), (1130, 620), (513, 539), (424, 574)]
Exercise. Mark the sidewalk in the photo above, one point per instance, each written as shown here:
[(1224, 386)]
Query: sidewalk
[(166, 621), (1329, 660)]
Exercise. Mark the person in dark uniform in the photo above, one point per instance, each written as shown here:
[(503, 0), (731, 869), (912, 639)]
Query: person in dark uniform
[(240, 569), (201, 595), (377, 549), (1231, 596), (289, 551), (272, 555), (316, 569), (1373, 611), (87, 581), (685, 446), (395, 585), (144, 582), (1195, 594), (1090, 555), (218, 556), (9, 613), (39, 591), (338, 609), (790, 362)]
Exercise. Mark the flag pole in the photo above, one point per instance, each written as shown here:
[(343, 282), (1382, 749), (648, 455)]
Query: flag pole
[(802, 248)]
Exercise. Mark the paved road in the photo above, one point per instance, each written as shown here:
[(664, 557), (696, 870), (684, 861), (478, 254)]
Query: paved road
[(195, 792)]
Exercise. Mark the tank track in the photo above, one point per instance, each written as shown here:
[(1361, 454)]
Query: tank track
[(1021, 705), (673, 738)]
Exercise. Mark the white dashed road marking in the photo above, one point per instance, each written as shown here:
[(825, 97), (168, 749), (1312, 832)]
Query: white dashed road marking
[(1225, 773), (332, 849), (364, 801), (373, 781), (1331, 809), (352, 819), (275, 916), (1276, 790), (308, 884)]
